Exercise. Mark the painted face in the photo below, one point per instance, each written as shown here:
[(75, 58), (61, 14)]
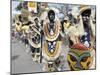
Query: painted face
[(79, 59), (86, 16), (51, 15)]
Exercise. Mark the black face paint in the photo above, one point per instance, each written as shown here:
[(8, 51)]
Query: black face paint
[(86, 17), (51, 15)]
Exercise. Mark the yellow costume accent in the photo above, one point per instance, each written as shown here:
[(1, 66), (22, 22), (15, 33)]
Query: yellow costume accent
[(55, 33), (25, 28), (80, 57), (18, 27), (51, 55), (66, 25)]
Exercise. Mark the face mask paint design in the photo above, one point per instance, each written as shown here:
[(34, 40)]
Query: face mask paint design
[(79, 58)]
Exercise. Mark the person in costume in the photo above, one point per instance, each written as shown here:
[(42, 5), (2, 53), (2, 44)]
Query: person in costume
[(52, 42), (81, 55), (34, 39), (88, 25)]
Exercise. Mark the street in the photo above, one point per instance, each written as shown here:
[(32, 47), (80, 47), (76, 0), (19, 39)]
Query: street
[(22, 60)]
